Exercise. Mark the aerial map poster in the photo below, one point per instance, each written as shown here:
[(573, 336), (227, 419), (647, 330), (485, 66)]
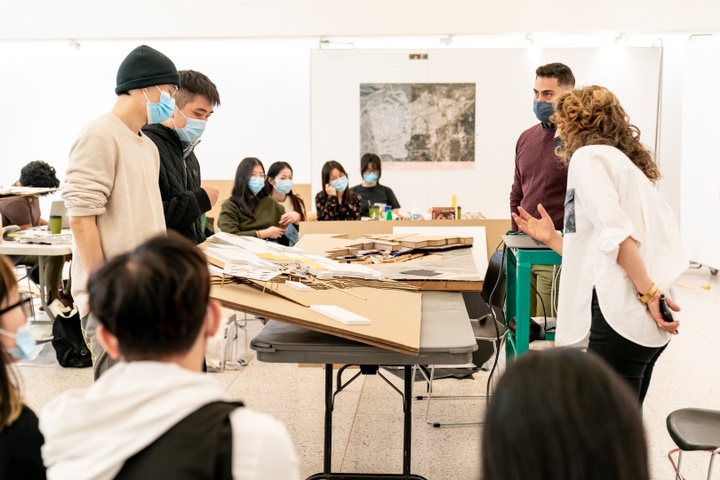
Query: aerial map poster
[(419, 126)]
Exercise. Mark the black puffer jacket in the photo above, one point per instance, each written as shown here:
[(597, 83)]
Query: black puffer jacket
[(184, 201)]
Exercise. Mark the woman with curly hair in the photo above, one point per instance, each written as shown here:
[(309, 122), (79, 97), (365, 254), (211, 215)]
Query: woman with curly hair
[(621, 246)]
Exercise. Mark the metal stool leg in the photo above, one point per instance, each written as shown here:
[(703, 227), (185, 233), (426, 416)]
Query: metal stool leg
[(712, 457)]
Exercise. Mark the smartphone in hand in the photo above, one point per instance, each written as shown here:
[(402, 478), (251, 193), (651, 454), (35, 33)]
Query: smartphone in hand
[(665, 310)]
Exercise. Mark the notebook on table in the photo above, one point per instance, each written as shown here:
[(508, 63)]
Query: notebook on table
[(523, 241)]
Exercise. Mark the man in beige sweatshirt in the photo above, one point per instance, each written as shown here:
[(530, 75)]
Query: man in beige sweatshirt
[(111, 185)]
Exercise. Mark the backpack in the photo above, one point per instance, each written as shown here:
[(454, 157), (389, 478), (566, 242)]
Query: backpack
[(69, 341)]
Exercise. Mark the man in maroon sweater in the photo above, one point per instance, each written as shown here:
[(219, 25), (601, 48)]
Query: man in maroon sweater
[(540, 177)]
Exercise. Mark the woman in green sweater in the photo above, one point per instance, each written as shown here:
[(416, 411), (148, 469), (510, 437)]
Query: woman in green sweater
[(250, 211)]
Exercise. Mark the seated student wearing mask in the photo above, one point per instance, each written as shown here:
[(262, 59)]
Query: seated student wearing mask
[(370, 189), (155, 414), (278, 185), (336, 201), (249, 210)]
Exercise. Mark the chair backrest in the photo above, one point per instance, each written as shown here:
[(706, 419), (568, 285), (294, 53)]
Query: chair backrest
[(494, 281)]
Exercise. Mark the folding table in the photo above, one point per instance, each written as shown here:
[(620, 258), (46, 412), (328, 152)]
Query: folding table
[(446, 337)]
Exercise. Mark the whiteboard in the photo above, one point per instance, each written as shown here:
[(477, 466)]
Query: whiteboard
[(700, 166), (504, 80)]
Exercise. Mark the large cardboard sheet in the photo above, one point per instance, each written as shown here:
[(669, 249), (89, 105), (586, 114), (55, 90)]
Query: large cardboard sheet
[(395, 315)]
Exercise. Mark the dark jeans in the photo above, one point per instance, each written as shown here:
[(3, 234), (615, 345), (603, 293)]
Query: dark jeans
[(632, 361)]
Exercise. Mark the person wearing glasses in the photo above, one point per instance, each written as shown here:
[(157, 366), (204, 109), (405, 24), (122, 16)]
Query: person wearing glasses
[(250, 210), (111, 186), (370, 189), (20, 438)]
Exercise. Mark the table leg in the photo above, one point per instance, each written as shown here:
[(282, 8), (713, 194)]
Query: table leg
[(327, 457), (522, 308), (43, 290), (407, 436), (407, 426)]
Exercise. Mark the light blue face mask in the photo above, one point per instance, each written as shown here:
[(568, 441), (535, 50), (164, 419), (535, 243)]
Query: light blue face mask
[(192, 131), (371, 177), (543, 111), (25, 344), (255, 184), (162, 110), (340, 184), (283, 186)]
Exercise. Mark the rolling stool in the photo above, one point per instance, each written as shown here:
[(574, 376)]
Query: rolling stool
[(694, 429)]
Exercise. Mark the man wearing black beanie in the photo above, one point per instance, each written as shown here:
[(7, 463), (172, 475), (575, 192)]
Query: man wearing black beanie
[(111, 185)]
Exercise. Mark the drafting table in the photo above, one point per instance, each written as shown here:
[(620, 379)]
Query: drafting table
[(446, 337)]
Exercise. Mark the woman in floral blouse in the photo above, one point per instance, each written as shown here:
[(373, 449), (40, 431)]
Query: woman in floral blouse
[(336, 201)]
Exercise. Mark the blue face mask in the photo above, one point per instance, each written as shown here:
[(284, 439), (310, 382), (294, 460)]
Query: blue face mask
[(25, 345), (371, 177), (340, 184), (283, 186), (162, 110), (192, 131), (255, 184), (543, 111)]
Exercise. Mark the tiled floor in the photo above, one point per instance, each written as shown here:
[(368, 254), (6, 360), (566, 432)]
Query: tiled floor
[(367, 434)]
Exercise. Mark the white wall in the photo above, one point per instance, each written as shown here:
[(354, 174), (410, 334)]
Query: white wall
[(55, 89), (701, 153), (51, 90), (91, 19), (504, 80)]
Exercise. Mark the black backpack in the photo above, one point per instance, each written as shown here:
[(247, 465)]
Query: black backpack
[(69, 342)]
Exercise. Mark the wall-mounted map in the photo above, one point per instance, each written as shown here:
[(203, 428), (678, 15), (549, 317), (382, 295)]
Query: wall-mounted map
[(418, 125)]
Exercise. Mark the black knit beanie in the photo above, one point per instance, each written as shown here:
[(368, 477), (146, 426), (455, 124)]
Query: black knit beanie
[(145, 67)]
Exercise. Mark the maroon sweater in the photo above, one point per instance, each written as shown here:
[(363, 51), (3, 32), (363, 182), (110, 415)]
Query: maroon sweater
[(540, 176)]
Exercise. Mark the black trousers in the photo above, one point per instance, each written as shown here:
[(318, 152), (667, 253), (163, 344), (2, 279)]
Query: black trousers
[(632, 361)]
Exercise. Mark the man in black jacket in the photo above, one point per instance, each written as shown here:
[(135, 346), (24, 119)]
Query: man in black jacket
[(184, 200)]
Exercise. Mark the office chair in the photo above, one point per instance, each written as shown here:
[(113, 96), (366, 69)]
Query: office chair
[(694, 429), (485, 309)]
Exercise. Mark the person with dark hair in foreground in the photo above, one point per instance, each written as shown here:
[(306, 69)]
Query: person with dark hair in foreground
[(20, 438), (562, 414), (155, 414)]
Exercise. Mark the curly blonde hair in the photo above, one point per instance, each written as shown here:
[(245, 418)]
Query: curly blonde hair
[(593, 116)]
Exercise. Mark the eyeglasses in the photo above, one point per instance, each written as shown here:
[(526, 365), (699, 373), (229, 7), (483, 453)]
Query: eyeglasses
[(24, 302)]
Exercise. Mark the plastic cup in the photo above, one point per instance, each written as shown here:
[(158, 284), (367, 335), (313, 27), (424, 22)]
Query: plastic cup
[(55, 224), (374, 212)]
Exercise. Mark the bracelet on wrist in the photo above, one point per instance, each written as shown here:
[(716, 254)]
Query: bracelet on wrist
[(649, 294)]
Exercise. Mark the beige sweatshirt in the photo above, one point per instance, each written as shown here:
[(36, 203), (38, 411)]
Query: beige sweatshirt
[(112, 174)]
